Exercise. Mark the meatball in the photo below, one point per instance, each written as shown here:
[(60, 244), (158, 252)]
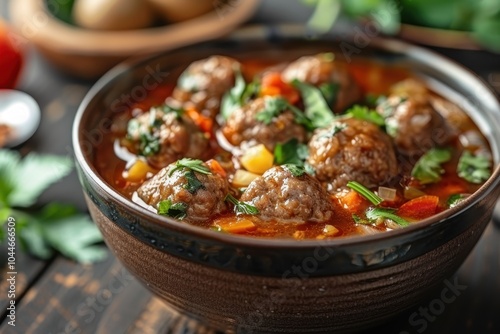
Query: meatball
[(280, 195), (200, 199), (322, 69), (242, 127), (202, 85), (166, 136), (412, 121), (352, 150)]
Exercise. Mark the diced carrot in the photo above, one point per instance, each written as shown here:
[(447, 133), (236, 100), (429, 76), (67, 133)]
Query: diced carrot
[(204, 123), (215, 167), (419, 208), (273, 85), (352, 201), (237, 226)]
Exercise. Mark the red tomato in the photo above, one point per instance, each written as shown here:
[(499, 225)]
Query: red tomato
[(11, 59)]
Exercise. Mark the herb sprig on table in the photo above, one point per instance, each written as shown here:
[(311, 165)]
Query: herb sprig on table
[(55, 227)]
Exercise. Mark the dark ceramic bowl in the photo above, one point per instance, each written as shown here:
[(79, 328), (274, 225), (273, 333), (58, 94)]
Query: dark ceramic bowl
[(241, 284)]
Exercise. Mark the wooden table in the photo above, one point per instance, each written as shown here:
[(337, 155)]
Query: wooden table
[(60, 296)]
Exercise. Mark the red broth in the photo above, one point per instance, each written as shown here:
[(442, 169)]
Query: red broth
[(372, 78)]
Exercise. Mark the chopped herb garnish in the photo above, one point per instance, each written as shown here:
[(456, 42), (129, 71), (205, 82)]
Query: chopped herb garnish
[(365, 192), (332, 131), (316, 106), (193, 184), (148, 144), (195, 165), (169, 109), (296, 170), (251, 90), (428, 168), (276, 105), (291, 152), (273, 107), (233, 98), (358, 220), (330, 91), (365, 114), (474, 168), (174, 210), (241, 207), (376, 213), (455, 199)]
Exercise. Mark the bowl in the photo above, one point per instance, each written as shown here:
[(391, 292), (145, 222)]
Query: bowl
[(249, 285), (89, 53)]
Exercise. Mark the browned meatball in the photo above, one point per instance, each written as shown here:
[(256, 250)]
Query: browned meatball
[(280, 195), (164, 137), (412, 121), (206, 200), (322, 69), (352, 150), (243, 127), (202, 85)]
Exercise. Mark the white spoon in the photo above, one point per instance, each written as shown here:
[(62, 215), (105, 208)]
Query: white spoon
[(21, 113)]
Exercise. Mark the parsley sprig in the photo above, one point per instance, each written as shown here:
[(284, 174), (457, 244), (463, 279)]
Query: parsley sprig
[(241, 207), (195, 165), (174, 210), (428, 168), (474, 168), (275, 105), (54, 227)]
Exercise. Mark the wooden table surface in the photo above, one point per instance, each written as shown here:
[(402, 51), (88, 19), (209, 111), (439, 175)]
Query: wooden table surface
[(60, 296)]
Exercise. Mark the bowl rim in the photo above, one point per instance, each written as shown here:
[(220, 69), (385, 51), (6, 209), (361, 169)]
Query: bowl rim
[(289, 31), (36, 23)]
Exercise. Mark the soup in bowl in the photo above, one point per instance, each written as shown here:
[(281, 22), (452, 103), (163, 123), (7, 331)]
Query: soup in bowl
[(287, 185)]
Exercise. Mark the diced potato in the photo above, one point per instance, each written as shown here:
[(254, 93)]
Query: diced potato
[(242, 178), (138, 172), (257, 159), (330, 230)]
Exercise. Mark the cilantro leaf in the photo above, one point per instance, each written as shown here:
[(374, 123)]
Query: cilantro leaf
[(195, 165), (376, 213), (296, 170), (149, 144), (365, 114), (233, 98), (193, 184), (428, 168), (330, 90), (273, 106), (455, 199), (333, 130), (174, 210), (316, 107), (276, 105), (241, 207), (291, 152), (474, 168), (22, 181)]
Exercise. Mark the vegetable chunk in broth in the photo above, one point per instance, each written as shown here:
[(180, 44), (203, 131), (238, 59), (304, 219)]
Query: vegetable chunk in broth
[(310, 148)]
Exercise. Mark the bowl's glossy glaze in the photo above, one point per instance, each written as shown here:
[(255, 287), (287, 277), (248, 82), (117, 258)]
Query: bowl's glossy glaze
[(284, 286)]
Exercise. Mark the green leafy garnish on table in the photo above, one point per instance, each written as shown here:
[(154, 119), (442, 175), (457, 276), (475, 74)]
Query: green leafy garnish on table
[(56, 227), (474, 168), (428, 168), (241, 207)]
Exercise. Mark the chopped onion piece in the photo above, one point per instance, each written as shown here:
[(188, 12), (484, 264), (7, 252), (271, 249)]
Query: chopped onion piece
[(122, 153), (367, 229), (330, 230), (387, 194), (243, 178)]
